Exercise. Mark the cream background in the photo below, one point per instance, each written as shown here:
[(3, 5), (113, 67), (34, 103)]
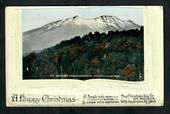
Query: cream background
[(153, 67)]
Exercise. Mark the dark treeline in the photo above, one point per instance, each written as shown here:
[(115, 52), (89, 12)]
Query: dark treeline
[(118, 54)]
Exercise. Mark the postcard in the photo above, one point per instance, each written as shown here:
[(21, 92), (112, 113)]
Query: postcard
[(84, 56)]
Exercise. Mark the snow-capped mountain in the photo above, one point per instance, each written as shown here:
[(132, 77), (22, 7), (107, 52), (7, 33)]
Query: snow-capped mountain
[(54, 32)]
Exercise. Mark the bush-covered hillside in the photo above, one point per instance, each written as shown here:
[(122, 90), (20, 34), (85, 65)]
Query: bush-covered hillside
[(113, 55)]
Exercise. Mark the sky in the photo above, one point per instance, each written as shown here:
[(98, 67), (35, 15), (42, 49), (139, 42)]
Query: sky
[(34, 17)]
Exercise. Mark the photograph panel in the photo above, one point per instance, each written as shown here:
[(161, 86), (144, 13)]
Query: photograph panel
[(83, 43)]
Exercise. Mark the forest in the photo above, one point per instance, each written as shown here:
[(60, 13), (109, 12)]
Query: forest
[(115, 55)]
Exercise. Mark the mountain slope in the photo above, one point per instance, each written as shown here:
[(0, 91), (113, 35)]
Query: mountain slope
[(54, 32), (112, 55)]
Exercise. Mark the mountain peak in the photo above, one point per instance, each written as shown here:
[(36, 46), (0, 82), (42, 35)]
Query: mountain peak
[(64, 29), (76, 17), (129, 21), (107, 18)]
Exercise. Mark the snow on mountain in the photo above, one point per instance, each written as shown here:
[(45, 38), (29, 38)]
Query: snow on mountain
[(54, 32)]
